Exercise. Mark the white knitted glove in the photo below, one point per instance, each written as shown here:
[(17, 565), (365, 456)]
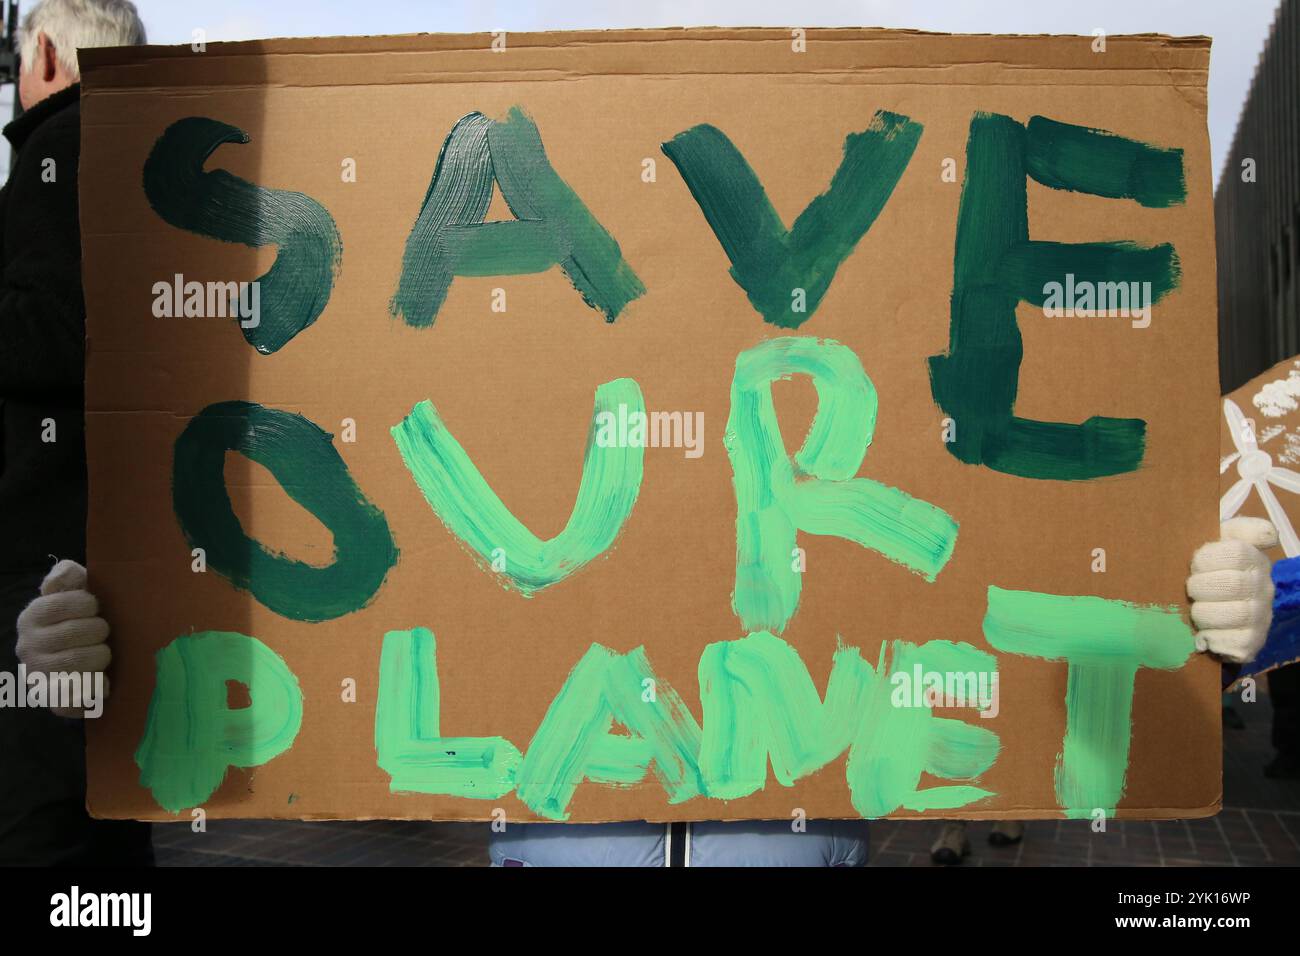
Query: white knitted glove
[(1232, 590), (60, 631)]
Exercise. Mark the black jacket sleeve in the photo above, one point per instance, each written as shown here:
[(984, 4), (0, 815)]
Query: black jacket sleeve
[(42, 313)]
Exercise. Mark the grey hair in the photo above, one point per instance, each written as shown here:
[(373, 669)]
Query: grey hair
[(73, 25)]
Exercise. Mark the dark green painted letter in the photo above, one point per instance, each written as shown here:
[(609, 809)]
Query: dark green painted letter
[(552, 225), (996, 266), (294, 292), (302, 458), (785, 274)]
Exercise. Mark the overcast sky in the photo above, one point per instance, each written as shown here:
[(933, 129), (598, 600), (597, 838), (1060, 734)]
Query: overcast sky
[(1239, 27)]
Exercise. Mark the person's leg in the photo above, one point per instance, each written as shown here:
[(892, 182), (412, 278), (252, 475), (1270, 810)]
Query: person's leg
[(1284, 695), (1007, 832), (745, 843), (952, 845), (43, 820), (777, 843), (579, 844), (1231, 719)]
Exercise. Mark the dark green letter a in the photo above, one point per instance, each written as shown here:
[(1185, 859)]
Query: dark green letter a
[(552, 225)]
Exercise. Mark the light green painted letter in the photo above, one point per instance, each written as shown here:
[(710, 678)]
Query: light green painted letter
[(471, 510), (816, 491), (760, 704), (574, 741), (1104, 643), (407, 738), (192, 735), (894, 743)]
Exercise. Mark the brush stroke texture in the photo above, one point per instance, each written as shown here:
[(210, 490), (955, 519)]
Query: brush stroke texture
[(760, 704), (995, 266), (893, 746), (216, 204), (304, 461), (816, 491), (1104, 643), (408, 739), (552, 227), (767, 261), (1100, 163), (471, 510), (575, 742), (192, 736)]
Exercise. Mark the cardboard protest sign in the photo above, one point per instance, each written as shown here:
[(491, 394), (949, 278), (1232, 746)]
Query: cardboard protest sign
[(708, 424), (1259, 476)]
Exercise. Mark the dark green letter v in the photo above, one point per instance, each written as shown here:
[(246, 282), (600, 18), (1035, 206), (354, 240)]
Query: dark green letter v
[(785, 274)]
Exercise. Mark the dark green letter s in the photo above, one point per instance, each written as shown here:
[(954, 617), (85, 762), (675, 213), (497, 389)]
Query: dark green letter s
[(216, 204)]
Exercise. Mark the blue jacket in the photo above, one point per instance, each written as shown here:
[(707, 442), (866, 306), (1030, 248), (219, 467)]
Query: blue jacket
[(743, 843)]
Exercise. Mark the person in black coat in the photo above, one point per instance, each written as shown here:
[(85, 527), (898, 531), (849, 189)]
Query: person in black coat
[(43, 820)]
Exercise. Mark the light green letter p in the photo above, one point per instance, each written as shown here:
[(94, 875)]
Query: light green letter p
[(193, 736)]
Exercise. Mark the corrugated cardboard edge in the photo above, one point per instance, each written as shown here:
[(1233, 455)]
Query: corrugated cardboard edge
[(1181, 62), (1009, 813)]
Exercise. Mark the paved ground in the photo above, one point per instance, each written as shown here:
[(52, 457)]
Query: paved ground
[(1260, 825)]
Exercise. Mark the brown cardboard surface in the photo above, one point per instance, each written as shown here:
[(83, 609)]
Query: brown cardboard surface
[(516, 389)]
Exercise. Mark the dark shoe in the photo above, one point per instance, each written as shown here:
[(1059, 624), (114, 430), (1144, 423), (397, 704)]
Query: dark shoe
[(952, 846), (1007, 833), (1283, 767)]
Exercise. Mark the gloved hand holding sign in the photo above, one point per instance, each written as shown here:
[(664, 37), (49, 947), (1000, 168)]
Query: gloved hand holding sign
[(61, 632), (1231, 588)]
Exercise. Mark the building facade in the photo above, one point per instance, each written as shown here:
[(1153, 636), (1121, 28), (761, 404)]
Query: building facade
[(1257, 214)]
